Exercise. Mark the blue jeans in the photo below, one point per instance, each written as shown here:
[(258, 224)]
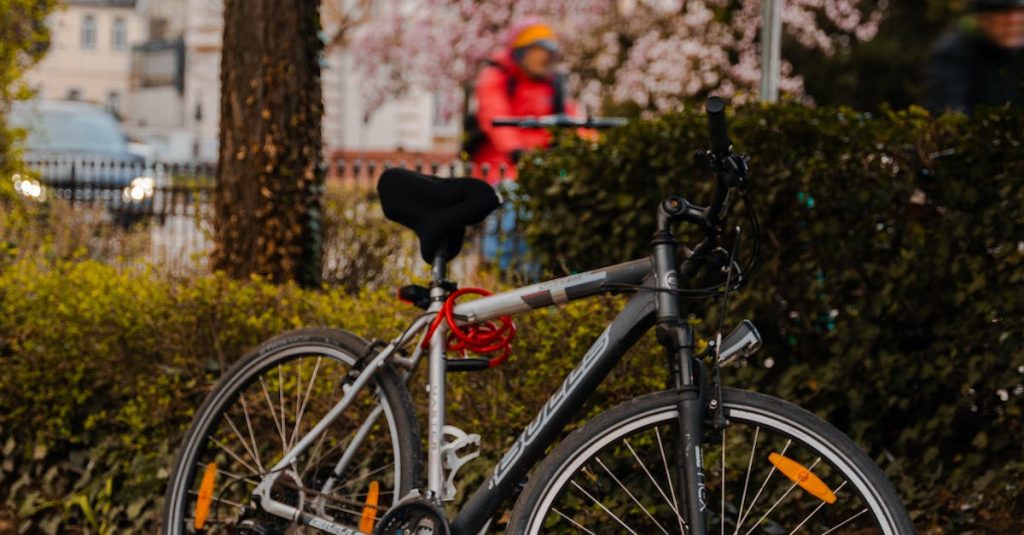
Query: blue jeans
[(503, 241)]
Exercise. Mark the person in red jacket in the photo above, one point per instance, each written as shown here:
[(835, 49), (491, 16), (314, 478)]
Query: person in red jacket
[(518, 81)]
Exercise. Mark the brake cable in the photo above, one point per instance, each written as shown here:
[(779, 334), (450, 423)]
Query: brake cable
[(481, 338), (718, 289), (716, 402)]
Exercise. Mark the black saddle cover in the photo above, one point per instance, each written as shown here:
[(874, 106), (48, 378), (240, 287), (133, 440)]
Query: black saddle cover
[(436, 209)]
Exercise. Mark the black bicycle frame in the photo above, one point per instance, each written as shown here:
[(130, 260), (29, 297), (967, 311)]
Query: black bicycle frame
[(643, 310)]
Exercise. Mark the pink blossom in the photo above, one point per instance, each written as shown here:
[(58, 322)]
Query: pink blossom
[(654, 53)]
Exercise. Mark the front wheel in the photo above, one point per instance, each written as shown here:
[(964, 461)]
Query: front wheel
[(775, 469), (363, 464)]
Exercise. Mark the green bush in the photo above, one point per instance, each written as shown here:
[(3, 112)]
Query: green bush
[(901, 321), (101, 370), (361, 248)]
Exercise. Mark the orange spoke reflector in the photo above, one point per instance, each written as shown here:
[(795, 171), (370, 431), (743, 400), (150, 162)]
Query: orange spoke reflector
[(205, 495), (803, 477), (370, 509)]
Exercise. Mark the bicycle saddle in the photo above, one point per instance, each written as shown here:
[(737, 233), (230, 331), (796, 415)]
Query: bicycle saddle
[(436, 209)]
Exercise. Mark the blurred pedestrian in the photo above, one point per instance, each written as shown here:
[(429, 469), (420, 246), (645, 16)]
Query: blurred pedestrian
[(981, 61), (518, 81)]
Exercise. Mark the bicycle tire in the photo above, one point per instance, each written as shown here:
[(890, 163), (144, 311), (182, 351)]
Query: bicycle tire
[(779, 416), (344, 346)]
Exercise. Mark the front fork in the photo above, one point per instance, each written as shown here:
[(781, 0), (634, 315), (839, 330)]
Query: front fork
[(688, 384)]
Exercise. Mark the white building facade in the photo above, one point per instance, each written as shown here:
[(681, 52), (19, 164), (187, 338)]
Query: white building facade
[(156, 64), (90, 54)]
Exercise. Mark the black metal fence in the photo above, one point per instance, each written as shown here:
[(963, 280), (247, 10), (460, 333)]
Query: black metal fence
[(173, 202), (363, 173), (146, 189), (170, 202)]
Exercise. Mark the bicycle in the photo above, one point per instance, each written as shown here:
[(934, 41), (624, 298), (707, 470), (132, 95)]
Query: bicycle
[(315, 429)]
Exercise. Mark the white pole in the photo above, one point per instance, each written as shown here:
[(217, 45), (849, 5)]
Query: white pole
[(771, 50)]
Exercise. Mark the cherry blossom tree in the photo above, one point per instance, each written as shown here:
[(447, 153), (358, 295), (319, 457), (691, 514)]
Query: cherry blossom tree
[(652, 54)]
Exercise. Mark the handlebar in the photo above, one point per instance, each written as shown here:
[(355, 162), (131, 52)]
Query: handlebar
[(730, 171), (718, 130), (561, 121)]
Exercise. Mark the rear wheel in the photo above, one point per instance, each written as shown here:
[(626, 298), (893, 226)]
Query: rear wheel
[(258, 412), (775, 469)]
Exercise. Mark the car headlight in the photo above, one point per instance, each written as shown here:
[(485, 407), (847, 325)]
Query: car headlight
[(28, 187), (140, 188)]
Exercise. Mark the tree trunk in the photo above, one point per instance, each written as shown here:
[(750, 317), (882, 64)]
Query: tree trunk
[(270, 177)]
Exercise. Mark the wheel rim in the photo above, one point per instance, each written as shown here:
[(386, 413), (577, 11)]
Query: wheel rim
[(624, 481), (260, 415)]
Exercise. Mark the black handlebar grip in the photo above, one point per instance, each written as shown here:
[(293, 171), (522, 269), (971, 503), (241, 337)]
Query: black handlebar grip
[(506, 121), (718, 130)]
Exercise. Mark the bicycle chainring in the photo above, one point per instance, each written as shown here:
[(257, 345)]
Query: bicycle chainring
[(414, 517)]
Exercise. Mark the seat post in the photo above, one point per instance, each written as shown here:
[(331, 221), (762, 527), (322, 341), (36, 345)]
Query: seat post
[(439, 269), (436, 390)]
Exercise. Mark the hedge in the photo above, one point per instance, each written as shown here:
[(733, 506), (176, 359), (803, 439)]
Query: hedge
[(891, 285), (101, 369)]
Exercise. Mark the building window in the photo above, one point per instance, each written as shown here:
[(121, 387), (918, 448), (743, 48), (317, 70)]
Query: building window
[(89, 32), (74, 94), (157, 29), (119, 34)]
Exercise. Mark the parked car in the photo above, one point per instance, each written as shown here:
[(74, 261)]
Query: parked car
[(79, 152)]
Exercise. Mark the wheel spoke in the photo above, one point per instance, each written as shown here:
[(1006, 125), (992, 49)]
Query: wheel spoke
[(191, 519), (777, 502), (353, 495), (232, 475), (252, 435), (233, 454), (284, 420), (746, 481), (371, 473), (721, 518), (763, 485), (255, 423), (353, 445), (816, 509), (656, 485), (571, 521), (845, 522), (273, 413), (245, 444), (668, 477), (602, 478), (315, 455), (328, 505), (298, 395), (305, 400), (603, 508), (630, 494), (219, 500)]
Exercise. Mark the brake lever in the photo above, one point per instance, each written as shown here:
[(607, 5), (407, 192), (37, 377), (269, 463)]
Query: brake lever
[(734, 167)]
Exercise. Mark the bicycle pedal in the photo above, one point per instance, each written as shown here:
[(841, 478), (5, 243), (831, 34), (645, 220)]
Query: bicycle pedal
[(460, 440)]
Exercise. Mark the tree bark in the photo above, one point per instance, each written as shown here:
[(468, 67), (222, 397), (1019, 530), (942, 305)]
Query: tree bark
[(270, 176)]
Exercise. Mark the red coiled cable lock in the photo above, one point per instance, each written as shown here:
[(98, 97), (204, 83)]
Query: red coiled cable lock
[(480, 338)]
